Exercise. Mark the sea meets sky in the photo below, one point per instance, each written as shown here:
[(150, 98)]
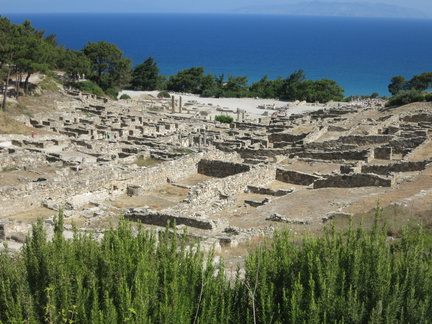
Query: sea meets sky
[(360, 53), (210, 6)]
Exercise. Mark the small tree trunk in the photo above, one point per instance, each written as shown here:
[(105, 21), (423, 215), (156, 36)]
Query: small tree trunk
[(26, 82), (5, 91)]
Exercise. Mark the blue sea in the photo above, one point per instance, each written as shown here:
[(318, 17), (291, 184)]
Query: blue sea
[(360, 54)]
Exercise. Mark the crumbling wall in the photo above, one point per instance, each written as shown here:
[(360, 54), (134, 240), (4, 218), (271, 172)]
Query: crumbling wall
[(16, 199), (354, 180), (162, 219), (395, 167), (400, 145), (212, 190), (295, 177), (363, 155), (220, 169)]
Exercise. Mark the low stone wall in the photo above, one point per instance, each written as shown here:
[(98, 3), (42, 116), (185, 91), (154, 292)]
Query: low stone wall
[(220, 169), (395, 167), (162, 219), (383, 153), (16, 199), (268, 191), (294, 177), (353, 181), (400, 145), (22, 159), (286, 137), (363, 155), (210, 191)]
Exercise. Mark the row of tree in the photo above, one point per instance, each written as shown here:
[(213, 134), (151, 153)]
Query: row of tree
[(25, 50), (132, 276)]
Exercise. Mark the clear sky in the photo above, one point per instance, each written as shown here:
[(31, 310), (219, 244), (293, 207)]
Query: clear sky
[(165, 6)]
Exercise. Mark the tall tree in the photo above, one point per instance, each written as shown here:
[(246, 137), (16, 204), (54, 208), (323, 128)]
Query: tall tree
[(188, 80), (110, 68), (76, 64), (10, 43), (397, 84), (145, 76), (421, 82)]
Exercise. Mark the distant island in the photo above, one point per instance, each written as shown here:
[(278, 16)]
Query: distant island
[(343, 9)]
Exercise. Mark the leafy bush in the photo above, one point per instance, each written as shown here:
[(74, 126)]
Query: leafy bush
[(125, 96), (112, 93), (405, 97), (89, 87), (428, 97), (164, 94), (224, 119)]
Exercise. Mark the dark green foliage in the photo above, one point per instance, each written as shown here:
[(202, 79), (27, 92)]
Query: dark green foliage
[(145, 76), (110, 68), (405, 97), (164, 94), (186, 80), (397, 84), (139, 276), (224, 119), (89, 87), (428, 97), (125, 96), (112, 93), (417, 82)]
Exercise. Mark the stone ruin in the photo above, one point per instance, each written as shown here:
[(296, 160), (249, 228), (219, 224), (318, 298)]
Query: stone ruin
[(225, 183)]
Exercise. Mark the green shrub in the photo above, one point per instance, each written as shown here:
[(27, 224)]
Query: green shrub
[(405, 97), (125, 96), (89, 87), (224, 119), (112, 93), (428, 97), (164, 94)]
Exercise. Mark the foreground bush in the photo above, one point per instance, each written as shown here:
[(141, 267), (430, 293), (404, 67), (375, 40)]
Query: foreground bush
[(142, 277)]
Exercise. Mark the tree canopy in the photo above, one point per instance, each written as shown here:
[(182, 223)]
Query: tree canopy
[(110, 69)]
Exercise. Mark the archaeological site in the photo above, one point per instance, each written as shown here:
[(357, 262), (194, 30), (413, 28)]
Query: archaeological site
[(166, 161)]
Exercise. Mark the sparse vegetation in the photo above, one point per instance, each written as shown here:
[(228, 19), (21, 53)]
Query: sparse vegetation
[(164, 94), (9, 168), (146, 161), (125, 97)]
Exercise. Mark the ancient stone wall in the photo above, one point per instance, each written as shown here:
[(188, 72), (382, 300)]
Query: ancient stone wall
[(295, 177), (354, 180), (363, 155), (22, 159), (212, 190), (15, 199), (395, 167), (162, 219), (220, 169), (400, 145)]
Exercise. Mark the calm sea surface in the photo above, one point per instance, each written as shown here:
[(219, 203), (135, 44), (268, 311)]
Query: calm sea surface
[(361, 54)]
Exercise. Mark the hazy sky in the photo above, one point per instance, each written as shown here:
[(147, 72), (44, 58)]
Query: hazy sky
[(183, 6)]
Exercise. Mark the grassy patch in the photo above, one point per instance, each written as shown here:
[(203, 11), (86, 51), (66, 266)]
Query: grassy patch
[(9, 168), (146, 161)]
